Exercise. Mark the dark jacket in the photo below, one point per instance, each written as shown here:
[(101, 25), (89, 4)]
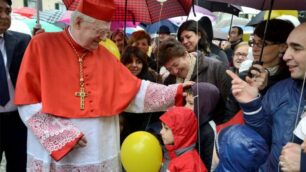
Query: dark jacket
[(15, 45), (232, 105), (275, 116), (221, 55), (205, 101), (208, 70)]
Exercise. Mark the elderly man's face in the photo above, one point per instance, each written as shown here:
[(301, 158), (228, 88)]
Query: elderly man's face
[(295, 55), (91, 33), (5, 16)]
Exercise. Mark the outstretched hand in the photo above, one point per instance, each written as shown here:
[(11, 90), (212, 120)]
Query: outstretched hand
[(260, 77), (243, 92), (188, 84)]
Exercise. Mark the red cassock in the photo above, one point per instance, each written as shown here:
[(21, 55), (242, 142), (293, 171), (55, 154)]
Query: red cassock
[(50, 74)]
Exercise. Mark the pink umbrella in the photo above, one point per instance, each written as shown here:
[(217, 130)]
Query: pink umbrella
[(66, 17), (25, 11), (147, 11), (120, 25)]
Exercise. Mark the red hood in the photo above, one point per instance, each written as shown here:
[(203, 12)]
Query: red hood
[(184, 126)]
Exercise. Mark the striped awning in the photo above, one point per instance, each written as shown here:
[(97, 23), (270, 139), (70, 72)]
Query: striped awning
[(50, 16)]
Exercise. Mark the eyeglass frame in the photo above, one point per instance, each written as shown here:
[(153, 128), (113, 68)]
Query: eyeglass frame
[(252, 43), (240, 54)]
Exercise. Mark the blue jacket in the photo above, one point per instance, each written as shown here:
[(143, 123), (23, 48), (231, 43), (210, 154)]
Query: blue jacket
[(274, 117), (240, 149)]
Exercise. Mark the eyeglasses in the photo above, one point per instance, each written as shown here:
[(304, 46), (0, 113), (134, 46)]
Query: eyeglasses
[(103, 31), (240, 54), (260, 44)]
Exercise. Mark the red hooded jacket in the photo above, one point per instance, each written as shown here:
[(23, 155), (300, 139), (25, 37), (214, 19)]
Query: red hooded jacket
[(182, 155)]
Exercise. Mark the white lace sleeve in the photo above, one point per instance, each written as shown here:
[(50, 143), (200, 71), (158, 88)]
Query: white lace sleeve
[(57, 135), (153, 97)]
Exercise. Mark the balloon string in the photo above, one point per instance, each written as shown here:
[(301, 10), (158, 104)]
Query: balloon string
[(157, 54), (197, 86), (157, 42), (299, 105)]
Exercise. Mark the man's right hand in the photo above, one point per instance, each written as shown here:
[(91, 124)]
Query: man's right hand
[(81, 143), (243, 92)]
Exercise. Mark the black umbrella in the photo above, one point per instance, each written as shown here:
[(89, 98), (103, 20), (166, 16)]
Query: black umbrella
[(220, 7)]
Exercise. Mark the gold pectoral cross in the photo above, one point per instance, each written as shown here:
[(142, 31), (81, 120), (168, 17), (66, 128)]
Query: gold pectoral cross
[(82, 94)]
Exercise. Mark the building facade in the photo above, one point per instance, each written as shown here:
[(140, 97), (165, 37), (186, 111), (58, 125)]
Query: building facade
[(45, 4)]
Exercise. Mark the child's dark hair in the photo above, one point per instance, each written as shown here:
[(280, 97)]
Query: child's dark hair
[(188, 91)]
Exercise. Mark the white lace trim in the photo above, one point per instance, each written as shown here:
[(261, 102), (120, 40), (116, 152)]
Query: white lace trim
[(53, 132), (159, 97), (35, 165)]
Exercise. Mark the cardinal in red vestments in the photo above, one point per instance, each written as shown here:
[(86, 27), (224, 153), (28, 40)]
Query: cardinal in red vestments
[(70, 91)]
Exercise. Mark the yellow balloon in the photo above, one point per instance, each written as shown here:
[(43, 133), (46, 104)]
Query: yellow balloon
[(112, 47), (141, 152)]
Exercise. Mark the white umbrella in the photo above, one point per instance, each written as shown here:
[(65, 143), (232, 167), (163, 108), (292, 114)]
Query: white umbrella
[(199, 12), (19, 26), (226, 21)]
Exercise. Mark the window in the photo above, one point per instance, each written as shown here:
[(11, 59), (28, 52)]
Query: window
[(32, 4), (60, 6)]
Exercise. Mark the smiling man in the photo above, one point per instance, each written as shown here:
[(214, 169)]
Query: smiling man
[(275, 115)]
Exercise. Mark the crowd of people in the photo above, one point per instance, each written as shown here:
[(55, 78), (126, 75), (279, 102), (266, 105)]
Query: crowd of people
[(67, 104)]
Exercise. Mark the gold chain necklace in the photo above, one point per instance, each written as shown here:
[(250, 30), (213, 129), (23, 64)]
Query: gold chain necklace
[(82, 93)]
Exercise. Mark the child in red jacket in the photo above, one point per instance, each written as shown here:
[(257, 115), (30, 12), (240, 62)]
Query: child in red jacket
[(179, 134)]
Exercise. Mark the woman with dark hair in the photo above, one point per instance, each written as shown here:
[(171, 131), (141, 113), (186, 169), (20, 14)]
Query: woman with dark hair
[(194, 39), (142, 40), (136, 61)]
